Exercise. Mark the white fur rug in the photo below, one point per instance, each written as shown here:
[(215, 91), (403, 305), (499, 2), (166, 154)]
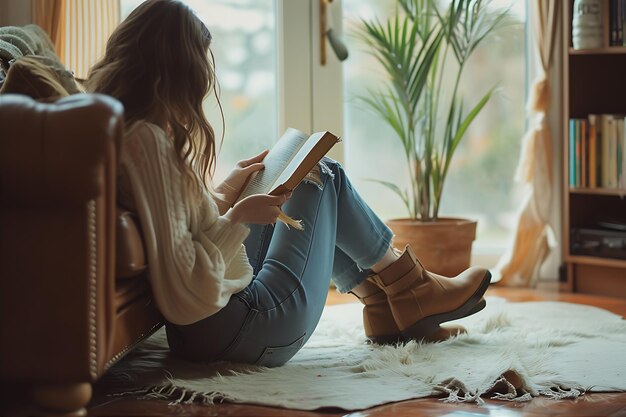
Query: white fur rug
[(512, 351)]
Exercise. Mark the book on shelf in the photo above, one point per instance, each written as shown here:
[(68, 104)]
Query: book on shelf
[(617, 16), (287, 163), (605, 131), (593, 151), (581, 142), (597, 151), (619, 146), (572, 153)]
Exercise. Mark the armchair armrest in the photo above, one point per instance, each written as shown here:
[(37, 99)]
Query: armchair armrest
[(57, 236)]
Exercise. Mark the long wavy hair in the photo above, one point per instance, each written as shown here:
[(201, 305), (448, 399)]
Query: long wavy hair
[(157, 64)]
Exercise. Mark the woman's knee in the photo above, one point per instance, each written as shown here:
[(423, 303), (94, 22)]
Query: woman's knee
[(335, 173), (331, 167)]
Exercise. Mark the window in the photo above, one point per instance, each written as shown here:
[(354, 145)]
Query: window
[(480, 182)]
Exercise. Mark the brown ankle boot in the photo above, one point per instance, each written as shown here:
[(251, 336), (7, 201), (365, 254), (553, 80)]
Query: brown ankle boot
[(419, 300), (378, 322), (380, 326)]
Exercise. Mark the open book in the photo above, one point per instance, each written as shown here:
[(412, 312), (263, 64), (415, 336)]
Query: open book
[(287, 163)]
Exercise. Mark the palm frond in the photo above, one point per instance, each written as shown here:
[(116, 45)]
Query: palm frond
[(386, 106), (464, 125), (404, 196)]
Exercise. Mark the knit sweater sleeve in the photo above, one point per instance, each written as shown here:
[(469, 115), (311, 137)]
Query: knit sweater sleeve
[(196, 258)]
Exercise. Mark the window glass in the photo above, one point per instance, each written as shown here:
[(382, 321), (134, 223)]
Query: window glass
[(480, 182), (244, 45)]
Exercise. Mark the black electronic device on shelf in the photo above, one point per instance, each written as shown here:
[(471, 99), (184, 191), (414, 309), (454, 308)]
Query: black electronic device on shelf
[(606, 240)]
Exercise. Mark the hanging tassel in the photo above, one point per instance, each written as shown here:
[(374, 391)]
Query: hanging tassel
[(290, 222)]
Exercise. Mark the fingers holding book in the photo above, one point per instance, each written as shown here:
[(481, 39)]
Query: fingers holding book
[(258, 209), (244, 170), (254, 160)]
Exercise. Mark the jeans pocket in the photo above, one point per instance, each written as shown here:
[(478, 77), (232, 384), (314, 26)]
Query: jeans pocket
[(279, 355)]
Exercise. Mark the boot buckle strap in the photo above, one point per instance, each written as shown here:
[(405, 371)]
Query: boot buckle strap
[(397, 286), (376, 298), (379, 297)]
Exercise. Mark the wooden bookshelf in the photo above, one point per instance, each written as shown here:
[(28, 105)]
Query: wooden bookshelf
[(598, 191), (609, 50), (594, 82), (594, 260)]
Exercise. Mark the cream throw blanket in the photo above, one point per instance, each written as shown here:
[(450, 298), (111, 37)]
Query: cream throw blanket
[(513, 351)]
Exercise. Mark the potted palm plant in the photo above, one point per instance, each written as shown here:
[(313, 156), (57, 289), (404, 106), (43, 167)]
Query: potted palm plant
[(424, 49)]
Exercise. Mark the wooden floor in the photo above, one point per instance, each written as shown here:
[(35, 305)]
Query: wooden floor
[(590, 405)]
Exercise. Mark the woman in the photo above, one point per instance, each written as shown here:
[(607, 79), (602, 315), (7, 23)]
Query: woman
[(231, 284)]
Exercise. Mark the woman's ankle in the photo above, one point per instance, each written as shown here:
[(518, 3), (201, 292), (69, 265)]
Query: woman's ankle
[(390, 256)]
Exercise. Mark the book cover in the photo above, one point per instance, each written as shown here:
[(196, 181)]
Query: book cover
[(287, 163)]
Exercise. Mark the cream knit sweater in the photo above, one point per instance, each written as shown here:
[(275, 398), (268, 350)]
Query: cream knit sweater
[(195, 256)]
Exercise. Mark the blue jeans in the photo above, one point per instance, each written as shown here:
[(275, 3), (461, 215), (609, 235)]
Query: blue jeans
[(270, 320)]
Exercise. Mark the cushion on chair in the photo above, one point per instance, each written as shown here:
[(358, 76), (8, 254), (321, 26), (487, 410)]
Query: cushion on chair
[(33, 77), (130, 258)]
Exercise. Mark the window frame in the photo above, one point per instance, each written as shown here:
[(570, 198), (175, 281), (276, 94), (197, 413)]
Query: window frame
[(310, 95)]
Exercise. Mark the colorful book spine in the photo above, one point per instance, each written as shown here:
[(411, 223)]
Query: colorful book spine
[(624, 155), (582, 128), (604, 150), (577, 161), (597, 151), (572, 153), (613, 154), (593, 149), (619, 145)]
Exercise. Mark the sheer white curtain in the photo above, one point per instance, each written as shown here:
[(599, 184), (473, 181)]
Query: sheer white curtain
[(520, 266)]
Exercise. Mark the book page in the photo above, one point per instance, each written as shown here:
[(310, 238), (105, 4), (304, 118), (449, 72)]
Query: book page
[(295, 162), (275, 162)]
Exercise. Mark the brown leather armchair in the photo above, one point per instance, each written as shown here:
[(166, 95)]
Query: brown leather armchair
[(73, 298)]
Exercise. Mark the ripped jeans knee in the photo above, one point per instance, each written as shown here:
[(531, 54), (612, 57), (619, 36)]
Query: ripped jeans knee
[(321, 169)]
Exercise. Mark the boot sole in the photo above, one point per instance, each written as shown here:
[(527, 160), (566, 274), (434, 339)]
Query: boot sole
[(400, 338), (430, 324)]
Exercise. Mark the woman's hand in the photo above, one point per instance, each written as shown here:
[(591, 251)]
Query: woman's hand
[(257, 209), (232, 186)]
